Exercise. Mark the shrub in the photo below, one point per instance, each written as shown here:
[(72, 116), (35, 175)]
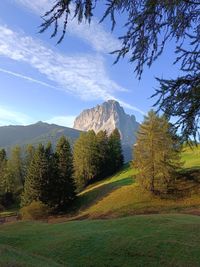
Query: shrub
[(35, 211)]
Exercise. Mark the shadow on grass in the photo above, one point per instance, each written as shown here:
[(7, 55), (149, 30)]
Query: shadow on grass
[(92, 197)]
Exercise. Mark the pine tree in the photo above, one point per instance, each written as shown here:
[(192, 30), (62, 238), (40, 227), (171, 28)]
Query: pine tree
[(116, 158), (35, 185), (156, 154), (64, 185)]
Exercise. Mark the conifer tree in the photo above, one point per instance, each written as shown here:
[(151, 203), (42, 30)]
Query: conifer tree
[(103, 154), (3, 169), (86, 158), (116, 158), (29, 153), (64, 185), (15, 166), (7, 182), (156, 154), (36, 179)]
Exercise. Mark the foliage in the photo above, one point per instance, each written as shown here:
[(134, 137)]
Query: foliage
[(29, 153), (49, 176), (96, 156), (36, 179), (149, 25), (64, 185), (15, 167), (156, 154), (116, 158), (36, 210), (85, 158)]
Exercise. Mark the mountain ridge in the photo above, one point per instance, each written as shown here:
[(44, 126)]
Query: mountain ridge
[(40, 132)]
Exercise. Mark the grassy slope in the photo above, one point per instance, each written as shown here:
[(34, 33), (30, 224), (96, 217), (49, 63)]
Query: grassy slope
[(120, 195), (146, 240)]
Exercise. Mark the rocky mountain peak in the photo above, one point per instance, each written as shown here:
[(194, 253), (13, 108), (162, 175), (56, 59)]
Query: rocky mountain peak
[(108, 116)]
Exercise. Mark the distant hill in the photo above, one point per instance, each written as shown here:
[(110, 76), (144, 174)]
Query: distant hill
[(39, 132)]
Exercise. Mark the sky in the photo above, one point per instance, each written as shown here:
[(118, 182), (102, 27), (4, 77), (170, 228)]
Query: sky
[(43, 81)]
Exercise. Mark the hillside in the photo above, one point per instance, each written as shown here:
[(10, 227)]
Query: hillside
[(120, 195), (34, 134)]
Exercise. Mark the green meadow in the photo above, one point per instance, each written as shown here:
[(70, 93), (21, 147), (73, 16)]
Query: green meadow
[(113, 223)]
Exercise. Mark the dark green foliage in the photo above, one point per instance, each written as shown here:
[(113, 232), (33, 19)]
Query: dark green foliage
[(157, 154), (29, 153), (49, 178), (103, 154), (64, 185), (36, 179), (115, 151), (85, 158), (149, 26), (15, 165), (96, 156)]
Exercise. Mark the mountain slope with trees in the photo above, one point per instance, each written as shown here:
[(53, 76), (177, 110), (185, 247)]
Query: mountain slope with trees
[(34, 134)]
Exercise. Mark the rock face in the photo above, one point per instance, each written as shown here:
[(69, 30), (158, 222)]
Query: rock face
[(108, 116)]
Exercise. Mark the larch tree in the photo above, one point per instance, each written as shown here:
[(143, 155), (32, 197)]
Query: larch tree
[(157, 154)]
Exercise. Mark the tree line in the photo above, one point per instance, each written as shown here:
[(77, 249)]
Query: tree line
[(55, 176)]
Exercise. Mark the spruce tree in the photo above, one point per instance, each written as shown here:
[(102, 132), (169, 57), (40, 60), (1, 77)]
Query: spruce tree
[(86, 159), (29, 153), (15, 166), (36, 179), (103, 154), (3, 171), (156, 154), (7, 182), (116, 158), (64, 185)]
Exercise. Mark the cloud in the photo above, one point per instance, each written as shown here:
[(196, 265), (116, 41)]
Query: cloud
[(10, 117), (67, 121), (30, 79), (94, 33), (83, 75)]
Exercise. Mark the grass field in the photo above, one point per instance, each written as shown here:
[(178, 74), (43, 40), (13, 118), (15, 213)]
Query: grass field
[(164, 239), (119, 195), (146, 240)]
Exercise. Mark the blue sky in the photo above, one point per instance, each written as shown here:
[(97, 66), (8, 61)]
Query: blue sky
[(40, 80)]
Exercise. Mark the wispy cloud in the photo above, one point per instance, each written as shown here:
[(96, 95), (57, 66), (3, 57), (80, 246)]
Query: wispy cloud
[(94, 33), (82, 75), (10, 117), (67, 121), (30, 79)]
